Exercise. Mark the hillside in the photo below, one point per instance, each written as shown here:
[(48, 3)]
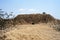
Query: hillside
[(27, 19), (30, 27), (32, 32), (32, 18)]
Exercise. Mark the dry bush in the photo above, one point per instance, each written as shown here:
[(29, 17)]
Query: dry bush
[(57, 27), (3, 37)]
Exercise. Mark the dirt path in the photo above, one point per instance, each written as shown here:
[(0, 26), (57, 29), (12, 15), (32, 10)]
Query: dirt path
[(33, 32)]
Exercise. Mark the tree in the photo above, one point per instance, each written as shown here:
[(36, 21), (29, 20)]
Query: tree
[(1, 13), (44, 13), (9, 15), (6, 15), (0, 9)]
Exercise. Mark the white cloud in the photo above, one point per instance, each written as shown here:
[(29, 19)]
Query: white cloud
[(31, 10), (23, 11)]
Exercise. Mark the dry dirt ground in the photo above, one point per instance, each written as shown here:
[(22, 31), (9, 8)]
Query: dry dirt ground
[(32, 32)]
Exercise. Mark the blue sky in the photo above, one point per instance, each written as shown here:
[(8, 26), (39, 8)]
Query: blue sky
[(32, 6)]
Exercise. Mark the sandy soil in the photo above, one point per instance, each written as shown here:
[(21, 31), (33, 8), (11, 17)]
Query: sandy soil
[(32, 32)]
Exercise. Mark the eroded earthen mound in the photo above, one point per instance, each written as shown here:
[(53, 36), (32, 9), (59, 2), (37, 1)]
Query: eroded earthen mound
[(27, 19)]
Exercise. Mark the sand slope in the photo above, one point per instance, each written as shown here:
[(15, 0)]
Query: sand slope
[(33, 32)]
